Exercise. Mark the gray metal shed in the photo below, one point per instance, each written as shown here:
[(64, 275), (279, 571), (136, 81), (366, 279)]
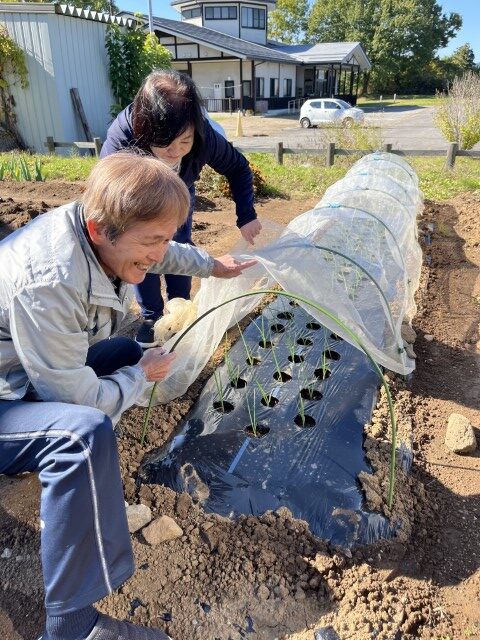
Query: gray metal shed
[(64, 48)]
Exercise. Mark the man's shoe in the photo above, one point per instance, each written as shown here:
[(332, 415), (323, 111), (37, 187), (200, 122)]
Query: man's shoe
[(145, 335), (108, 628)]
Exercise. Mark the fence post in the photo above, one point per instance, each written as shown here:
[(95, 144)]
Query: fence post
[(50, 144), (451, 154), (230, 105), (387, 147), (330, 154), (279, 152), (98, 146)]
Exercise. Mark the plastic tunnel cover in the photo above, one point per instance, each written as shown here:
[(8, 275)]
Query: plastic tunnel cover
[(360, 280)]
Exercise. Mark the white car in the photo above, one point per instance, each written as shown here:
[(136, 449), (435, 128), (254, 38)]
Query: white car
[(329, 111)]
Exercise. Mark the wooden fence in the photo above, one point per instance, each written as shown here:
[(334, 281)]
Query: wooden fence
[(330, 151), (95, 145)]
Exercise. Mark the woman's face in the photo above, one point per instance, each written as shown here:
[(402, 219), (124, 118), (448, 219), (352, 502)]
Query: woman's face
[(175, 151)]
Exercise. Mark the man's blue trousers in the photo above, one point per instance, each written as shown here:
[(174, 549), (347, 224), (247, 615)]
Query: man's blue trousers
[(85, 544)]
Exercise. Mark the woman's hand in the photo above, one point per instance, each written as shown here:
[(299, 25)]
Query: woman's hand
[(156, 363), (250, 230), (229, 267)]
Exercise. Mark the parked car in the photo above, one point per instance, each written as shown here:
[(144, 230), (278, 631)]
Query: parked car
[(328, 111)]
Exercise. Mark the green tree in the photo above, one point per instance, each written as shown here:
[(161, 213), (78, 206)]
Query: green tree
[(288, 21), (463, 58), (132, 56), (400, 37), (13, 70)]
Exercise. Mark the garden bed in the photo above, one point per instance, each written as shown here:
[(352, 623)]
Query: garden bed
[(268, 577)]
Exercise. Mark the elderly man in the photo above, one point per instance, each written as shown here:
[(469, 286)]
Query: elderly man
[(65, 287)]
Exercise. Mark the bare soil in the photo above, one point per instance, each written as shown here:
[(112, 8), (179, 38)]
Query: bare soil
[(269, 577)]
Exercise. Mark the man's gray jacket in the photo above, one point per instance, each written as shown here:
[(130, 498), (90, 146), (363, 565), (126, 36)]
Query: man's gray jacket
[(56, 301)]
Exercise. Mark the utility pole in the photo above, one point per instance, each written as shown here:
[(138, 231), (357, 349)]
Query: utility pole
[(150, 17)]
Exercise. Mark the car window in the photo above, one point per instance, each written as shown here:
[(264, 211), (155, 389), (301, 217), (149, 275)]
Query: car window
[(316, 104), (345, 104), (327, 104)]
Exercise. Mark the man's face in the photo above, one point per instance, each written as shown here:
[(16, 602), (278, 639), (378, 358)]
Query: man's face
[(175, 151), (131, 255)]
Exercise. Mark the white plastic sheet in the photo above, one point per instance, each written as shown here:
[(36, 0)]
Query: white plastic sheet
[(356, 255)]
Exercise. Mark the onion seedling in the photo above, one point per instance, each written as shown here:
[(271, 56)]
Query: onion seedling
[(252, 414), (233, 371), (219, 386)]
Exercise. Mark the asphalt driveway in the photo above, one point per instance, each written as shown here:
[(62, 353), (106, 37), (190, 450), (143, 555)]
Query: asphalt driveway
[(403, 127)]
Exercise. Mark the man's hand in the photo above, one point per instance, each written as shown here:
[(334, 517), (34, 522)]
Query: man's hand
[(156, 363), (229, 267), (250, 230)]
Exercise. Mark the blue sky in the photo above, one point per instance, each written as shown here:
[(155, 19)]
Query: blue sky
[(468, 9)]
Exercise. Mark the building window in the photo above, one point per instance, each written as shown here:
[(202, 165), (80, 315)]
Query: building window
[(191, 13), (287, 87), (274, 87), (220, 13), (253, 18), (229, 89), (260, 87), (247, 88)]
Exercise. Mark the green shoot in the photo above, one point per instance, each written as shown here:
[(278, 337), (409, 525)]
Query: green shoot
[(252, 414), (219, 386), (265, 337), (39, 177), (233, 371), (267, 397), (292, 348), (24, 170), (301, 409), (248, 351), (278, 369)]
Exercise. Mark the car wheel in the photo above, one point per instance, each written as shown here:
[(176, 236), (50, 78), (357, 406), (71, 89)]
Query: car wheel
[(305, 123), (348, 122)]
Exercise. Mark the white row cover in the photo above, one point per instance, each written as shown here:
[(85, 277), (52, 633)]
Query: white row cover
[(355, 254)]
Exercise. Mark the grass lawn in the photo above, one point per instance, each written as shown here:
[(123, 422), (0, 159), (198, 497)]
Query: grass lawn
[(373, 102), (300, 175)]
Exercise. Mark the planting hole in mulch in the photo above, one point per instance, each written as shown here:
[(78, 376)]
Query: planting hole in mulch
[(331, 355), (277, 328), (310, 394), (305, 422), (305, 342), (297, 357), (265, 344), (282, 376), (334, 336), (259, 432), (238, 384), (253, 362), (271, 401), (223, 407), (314, 326), (285, 315), (293, 303), (321, 373)]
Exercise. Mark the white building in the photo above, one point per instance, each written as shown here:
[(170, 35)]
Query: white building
[(64, 49), (223, 45)]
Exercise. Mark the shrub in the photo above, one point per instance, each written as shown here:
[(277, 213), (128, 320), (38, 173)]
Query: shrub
[(214, 184), (458, 114)]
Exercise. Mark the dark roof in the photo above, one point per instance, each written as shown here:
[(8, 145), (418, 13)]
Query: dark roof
[(222, 41)]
